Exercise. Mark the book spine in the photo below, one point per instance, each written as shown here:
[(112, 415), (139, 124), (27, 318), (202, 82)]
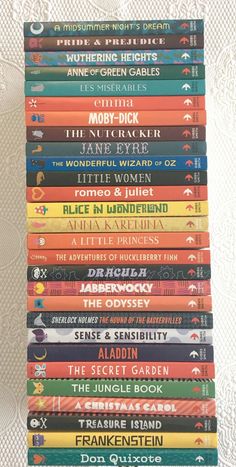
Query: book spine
[(118, 273), (136, 134), (116, 352), (158, 42), (94, 28), (123, 458), (110, 241), (114, 72), (119, 224), (72, 422), (121, 335), (125, 178), (120, 370), (119, 303), (150, 103), (124, 257), (104, 320), (187, 407), (116, 164), (180, 148), (113, 88), (122, 388), (119, 440), (119, 57), (118, 288)]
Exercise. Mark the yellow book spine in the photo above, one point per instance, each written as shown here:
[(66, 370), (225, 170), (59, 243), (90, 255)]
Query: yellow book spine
[(111, 209), (122, 440)]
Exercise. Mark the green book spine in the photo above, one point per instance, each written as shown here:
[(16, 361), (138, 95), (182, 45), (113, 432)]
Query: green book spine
[(173, 72), (122, 388), (122, 457)]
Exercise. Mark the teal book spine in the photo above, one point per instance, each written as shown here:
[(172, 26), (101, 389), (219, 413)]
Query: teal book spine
[(118, 57), (114, 88), (122, 457)]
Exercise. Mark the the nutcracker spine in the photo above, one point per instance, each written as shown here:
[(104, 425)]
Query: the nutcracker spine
[(77, 73), (124, 457), (119, 224), (119, 57), (121, 335), (146, 178), (121, 303), (180, 148), (93, 28), (58, 288), (104, 256), (117, 241), (116, 164), (47, 421), (142, 103), (120, 352), (124, 370), (118, 134), (119, 321)]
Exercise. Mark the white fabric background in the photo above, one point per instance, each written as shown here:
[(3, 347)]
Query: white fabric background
[(220, 46)]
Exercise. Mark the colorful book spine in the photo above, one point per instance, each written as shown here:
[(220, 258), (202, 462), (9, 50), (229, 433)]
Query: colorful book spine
[(73, 422), (118, 209), (155, 406), (119, 224), (112, 303), (152, 256), (102, 163), (180, 148), (115, 352), (114, 42), (59, 288), (123, 458), (78, 73), (118, 57), (94, 28), (120, 320), (131, 178), (119, 370), (111, 440), (118, 273), (150, 103), (122, 388), (121, 335), (110, 241), (136, 134)]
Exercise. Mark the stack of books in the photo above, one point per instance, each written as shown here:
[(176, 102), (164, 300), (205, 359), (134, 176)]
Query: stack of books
[(120, 354)]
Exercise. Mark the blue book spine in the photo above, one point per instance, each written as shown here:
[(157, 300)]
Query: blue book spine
[(116, 164), (115, 88), (119, 57)]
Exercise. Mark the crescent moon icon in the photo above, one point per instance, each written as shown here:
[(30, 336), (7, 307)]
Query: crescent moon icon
[(43, 356), (35, 30)]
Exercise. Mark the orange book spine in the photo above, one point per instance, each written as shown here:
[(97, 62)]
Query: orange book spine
[(119, 257), (117, 118), (119, 303), (70, 104)]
